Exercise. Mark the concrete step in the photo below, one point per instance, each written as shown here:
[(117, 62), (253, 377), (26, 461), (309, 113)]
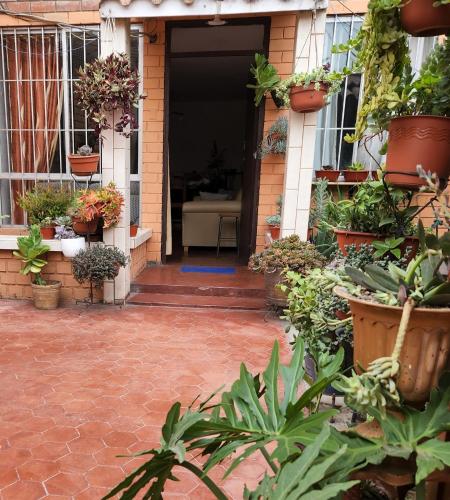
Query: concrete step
[(198, 290), (199, 301)]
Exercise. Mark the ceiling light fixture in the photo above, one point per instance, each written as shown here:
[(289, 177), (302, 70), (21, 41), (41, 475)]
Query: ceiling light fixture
[(217, 21)]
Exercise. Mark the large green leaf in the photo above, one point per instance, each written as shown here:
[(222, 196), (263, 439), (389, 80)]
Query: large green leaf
[(432, 455)]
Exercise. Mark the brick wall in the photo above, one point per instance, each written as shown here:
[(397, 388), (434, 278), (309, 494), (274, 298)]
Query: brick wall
[(138, 259), (45, 6)]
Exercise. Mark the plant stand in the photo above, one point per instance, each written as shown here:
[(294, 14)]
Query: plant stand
[(85, 183)]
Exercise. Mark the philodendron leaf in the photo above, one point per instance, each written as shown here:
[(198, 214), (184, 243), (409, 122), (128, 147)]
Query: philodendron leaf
[(432, 455)]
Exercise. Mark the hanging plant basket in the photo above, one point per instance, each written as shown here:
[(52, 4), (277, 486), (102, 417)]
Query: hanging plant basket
[(417, 140), (308, 99), (84, 166), (425, 352), (422, 18)]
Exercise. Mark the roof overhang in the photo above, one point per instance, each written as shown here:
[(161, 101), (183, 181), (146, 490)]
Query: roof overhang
[(177, 8)]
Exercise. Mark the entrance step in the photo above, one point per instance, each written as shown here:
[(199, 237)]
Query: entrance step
[(198, 290), (200, 301)]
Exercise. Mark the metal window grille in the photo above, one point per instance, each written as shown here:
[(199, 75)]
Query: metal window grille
[(40, 122)]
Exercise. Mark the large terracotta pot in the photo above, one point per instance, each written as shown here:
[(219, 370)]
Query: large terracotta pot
[(308, 99), (330, 175), (426, 351), (84, 166), (417, 140), (355, 175), (46, 296), (422, 18), (274, 295), (345, 238), (81, 227), (48, 233)]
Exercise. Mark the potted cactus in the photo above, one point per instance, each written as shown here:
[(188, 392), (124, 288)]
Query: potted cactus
[(85, 162)]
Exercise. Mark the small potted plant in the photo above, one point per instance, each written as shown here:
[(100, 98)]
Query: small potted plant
[(267, 78), (426, 17), (355, 172), (286, 254), (85, 162), (328, 172), (274, 222), (275, 141), (134, 226), (310, 91), (30, 252), (71, 243), (85, 213), (47, 228)]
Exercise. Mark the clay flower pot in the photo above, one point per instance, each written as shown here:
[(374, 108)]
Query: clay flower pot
[(48, 233), (426, 350), (274, 295), (308, 99), (355, 175), (422, 18), (84, 166), (275, 232), (330, 175), (133, 230), (46, 296), (81, 227), (417, 140)]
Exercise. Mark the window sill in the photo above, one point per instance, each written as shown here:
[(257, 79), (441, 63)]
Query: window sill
[(142, 236), (342, 183)]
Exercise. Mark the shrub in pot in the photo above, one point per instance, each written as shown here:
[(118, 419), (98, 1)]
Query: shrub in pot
[(71, 243), (282, 255), (328, 172), (275, 141), (355, 172), (30, 252), (84, 163)]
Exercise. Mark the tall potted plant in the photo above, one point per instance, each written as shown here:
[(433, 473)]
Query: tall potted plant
[(30, 252)]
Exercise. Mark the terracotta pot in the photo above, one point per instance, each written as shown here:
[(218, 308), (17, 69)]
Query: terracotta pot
[(341, 315), (81, 227), (308, 99), (133, 230), (355, 175), (48, 233), (417, 140), (275, 232), (426, 351), (84, 166), (421, 18), (345, 238), (46, 296), (330, 175), (274, 295)]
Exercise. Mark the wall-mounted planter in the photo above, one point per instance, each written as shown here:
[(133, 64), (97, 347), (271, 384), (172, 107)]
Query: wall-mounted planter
[(329, 175), (417, 140), (425, 352), (277, 101), (308, 99), (355, 175), (422, 18), (84, 166)]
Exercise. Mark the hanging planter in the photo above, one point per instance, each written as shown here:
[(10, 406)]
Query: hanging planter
[(310, 98), (84, 163), (417, 140), (425, 18)]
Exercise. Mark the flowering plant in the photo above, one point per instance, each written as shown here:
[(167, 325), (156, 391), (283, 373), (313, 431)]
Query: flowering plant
[(106, 85)]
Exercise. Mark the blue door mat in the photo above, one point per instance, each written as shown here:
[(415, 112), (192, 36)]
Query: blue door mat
[(208, 269)]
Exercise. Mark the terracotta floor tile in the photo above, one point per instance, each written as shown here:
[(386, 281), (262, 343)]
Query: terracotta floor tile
[(75, 396)]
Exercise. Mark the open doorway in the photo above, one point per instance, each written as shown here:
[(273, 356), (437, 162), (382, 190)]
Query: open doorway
[(212, 132)]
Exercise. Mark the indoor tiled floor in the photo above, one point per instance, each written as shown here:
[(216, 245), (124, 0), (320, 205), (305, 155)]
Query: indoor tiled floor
[(80, 386)]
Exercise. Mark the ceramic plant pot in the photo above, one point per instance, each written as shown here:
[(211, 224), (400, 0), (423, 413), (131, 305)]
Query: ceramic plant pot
[(355, 175), (426, 351), (84, 166), (417, 140), (48, 233), (422, 18), (46, 296), (275, 232), (274, 295), (133, 230), (329, 175), (308, 99), (70, 247), (81, 227)]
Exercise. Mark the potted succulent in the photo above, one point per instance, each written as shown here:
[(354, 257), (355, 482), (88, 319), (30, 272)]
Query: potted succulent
[(43, 204), (266, 78), (107, 85), (328, 172), (109, 204), (426, 17), (71, 243), (85, 162), (283, 255), (355, 172), (376, 213), (310, 91), (275, 141), (30, 252), (133, 229), (85, 213), (274, 222)]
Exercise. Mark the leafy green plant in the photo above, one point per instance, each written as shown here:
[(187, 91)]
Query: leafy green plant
[(387, 247), (30, 249), (356, 167), (275, 140), (97, 264), (45, 201), (321, 75), (266, 76), (106, 85), (287, 253)]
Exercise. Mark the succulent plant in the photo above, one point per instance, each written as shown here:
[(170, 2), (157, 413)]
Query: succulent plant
[(84, 150)]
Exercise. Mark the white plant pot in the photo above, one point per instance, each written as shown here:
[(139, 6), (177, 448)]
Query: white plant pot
[(72, 246)]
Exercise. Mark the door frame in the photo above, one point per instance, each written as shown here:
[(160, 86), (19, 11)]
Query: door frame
[(259, 118)]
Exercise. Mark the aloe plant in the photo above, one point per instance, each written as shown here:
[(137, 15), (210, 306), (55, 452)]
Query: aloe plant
[(30, 249)]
